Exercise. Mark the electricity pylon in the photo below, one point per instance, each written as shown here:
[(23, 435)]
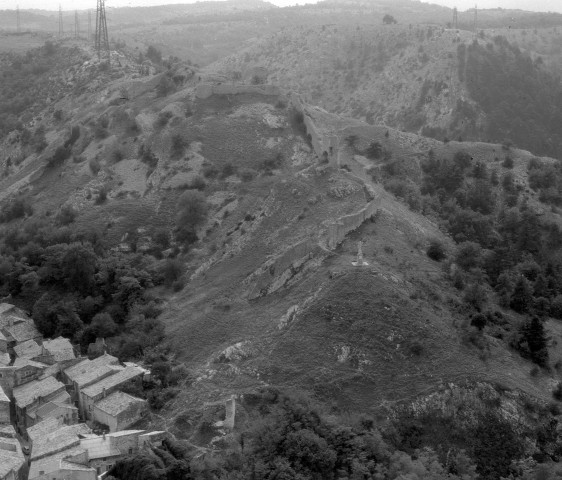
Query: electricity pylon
[(60, 22), (102, 39)]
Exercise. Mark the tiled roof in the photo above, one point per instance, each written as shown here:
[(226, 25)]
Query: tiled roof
[(4, 307), (114, 380), (7, 431), (11, 456), (42, 428), (99, 447), (89, 371), (27, 393), (23, 331), (45, 410), (60, 348), (66, 465), (124, 433), (28, 349), (9, 462), (24, 362), (117, 402), (52, 463), (58, 440)]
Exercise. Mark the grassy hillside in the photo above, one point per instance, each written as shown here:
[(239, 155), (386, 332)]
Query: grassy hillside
[(191, 232)]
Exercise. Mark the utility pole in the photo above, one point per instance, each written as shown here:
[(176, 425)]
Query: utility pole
[(455, 18), (76, 25), (60, 22), (102, 38), (475, 20), (18, 19), (89, 25)]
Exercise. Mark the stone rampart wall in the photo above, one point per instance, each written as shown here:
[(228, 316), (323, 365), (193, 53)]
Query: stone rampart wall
[(292, 258), (338, 230), (205, 90), (320, 143)]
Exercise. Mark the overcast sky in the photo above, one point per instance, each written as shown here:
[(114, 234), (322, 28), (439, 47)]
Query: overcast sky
[(536, 5)]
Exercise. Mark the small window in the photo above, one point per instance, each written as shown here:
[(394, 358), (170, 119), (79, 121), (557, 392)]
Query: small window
[(41, 472), (98, 469), (130, 451), (109, 467)]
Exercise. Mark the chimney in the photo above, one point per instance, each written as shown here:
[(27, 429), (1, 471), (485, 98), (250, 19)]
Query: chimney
[(104, 435)]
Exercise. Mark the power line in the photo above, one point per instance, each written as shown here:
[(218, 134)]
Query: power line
[(102, 39), (455, 18), (60, 22)]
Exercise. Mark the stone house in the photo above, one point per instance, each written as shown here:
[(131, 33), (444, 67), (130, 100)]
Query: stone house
[(12, 460), (68, 414), (94, 453), (20, 373), (99, 390), (119, 411), (86, 373), (30, 396)]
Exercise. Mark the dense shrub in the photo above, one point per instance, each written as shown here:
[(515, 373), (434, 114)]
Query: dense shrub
[(18, 207), (436, 250), (191, 213)]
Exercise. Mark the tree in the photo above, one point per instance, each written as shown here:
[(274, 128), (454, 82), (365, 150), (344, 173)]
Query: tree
[(388, 19), (468, 255), (533, 343), (191, 213), (522, 297), (78, 266), (103, 325)]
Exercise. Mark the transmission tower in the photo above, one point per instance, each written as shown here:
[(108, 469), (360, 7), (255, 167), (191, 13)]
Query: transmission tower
[(18, 19), (455, 18), (89, 25), (76, 25), (60, 22), (102, 40)]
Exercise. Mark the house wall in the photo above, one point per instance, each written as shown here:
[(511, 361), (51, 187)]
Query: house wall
[(64, 474), (4, 411), (102, 465), (126, 443), (123, 419)]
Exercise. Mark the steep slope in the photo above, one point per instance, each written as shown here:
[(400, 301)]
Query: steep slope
[(426, 79), (269, 295)]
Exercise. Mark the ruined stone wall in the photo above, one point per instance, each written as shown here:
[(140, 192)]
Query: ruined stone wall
[(281, 267), (311, 130), (230, 415), (205, 90), (338, 230)]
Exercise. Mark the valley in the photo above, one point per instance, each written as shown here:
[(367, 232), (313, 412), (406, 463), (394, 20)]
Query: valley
[(197, 207)]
